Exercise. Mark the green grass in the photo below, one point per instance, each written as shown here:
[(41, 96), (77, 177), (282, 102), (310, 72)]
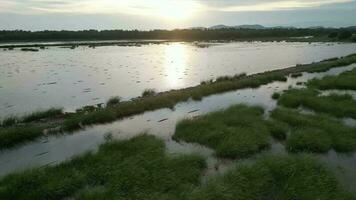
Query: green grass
[(296, 75), (12, 136), (333, 104), (9, 121), (278, 129), (276, 95), (113, 101), (132, 169), (344, 81), (236, 132), (148, 93), (277, 178), (313, 133), (309, 140), (46, 114), (32, 117)]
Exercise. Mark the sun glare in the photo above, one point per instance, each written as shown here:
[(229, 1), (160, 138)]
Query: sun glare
[(176, 10)]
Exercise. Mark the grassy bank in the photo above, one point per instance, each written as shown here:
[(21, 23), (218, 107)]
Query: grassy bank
[(131, 169), (333, 104), (121, 109), (10, 137), (236, 132), (315, 133), (344, 81), (295, 177)]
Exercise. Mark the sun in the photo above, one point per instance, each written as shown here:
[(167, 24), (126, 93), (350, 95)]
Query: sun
[(176, 10)]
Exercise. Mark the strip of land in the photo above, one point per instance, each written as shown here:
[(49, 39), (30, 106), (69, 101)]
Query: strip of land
[(150, 101)]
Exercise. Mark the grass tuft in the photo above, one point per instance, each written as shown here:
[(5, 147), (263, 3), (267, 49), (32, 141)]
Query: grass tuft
[(312, 132), (38, 115), (132, 169), (113, 101), (10, 137), (236, 132), (275, 177)]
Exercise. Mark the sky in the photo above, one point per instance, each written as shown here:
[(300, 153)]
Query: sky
[(170, 14)]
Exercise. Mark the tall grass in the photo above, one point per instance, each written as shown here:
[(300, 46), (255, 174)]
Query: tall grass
[(278, 177), (10, 137), (314, 132), (132, 169), (333, 104), (344, 81), (46, 114), (236, 132)]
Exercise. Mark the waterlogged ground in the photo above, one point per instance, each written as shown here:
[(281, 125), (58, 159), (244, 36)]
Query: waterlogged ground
[(55, 149), (72, 78)]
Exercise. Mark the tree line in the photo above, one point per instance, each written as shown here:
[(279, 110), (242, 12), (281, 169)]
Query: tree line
[(179, 34)]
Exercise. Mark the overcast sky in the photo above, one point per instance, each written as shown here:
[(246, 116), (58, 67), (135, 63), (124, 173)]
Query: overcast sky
[(169, 14)]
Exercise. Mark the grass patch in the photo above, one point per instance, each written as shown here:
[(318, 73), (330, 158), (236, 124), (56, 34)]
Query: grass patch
[(278, 129), (113, 101), (10, 137), (276, 95), (148, 93), (308, 131), (309, 140), (132, 169), (39, 115), (9, 121), (333, 104), (296, 75), (344, 81), (236, 132), (293, 177)]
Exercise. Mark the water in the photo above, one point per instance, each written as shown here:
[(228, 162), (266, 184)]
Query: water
[(63, 77), (55, 149)]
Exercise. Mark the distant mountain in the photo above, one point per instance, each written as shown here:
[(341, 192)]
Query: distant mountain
[(221, 26), (245, 26)]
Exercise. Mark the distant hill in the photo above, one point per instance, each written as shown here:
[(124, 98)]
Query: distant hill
[(245, 26)]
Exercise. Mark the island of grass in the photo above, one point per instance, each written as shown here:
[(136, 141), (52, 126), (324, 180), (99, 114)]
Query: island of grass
[(315, 132), (236, 132), (133, 169), (275, 177), (97, 115), (337, 105), (344, 81), (139, 169)]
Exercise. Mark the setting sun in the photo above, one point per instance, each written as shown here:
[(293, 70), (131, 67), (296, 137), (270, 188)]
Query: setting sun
[(177, 10)]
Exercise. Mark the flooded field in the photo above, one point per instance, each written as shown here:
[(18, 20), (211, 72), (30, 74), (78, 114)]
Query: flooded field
[(55, 149), (72, 78)]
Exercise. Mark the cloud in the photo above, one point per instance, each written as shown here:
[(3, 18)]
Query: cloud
[(278, 5), (152, 7)]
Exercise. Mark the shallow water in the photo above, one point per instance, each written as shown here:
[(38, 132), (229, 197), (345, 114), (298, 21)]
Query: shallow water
[(55, 149), (85, 76)]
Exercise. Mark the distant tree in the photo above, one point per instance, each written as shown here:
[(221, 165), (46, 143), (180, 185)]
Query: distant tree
[(333, 35), (345, 34)]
